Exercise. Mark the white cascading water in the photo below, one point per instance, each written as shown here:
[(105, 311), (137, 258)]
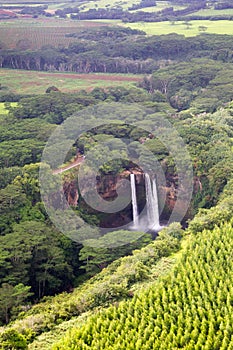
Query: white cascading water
[(134, 200), (152, 203)]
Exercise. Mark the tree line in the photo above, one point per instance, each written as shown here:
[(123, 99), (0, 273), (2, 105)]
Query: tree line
[(138, 16), (118, 51)]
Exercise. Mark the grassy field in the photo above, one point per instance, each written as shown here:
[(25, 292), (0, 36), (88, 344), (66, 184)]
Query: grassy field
[(160, 5), (158, 28), (109, 3), (28, 82), (212, 12)]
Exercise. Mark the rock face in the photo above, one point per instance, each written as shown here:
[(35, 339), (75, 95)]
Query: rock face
[(71, 193), (106, 187)]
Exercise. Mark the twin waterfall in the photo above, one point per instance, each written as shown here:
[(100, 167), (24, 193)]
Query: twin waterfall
[(152, 206), (134, 201)]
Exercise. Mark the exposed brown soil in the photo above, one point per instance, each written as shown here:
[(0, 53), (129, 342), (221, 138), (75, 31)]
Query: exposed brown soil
[(92, 77)]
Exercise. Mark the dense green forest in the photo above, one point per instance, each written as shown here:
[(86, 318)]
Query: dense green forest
[(124, 289), (118, 50)]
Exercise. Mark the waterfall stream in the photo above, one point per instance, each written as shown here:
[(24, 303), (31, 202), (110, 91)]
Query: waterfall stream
[(152, 203), (134, 200), (151, 221)]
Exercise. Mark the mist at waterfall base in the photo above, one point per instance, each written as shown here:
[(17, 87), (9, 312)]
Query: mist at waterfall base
[(150, 221)]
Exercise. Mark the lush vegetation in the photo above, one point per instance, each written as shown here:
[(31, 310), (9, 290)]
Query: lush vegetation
[(123, 289), (189, 309), (195, 287), (55, 262), (118, 50), (115, 282), (25, 129)]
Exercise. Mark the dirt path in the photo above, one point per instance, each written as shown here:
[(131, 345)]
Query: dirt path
[(68, 167), (90, 76)]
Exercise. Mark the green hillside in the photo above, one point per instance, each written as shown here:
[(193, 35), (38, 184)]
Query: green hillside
[(120, 280), (189, 309), (179, 302)]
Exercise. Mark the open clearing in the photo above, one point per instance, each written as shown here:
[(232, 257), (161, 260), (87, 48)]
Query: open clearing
[(213, 12), (160, 5), (108, 4), (33, 82), (158, 28)]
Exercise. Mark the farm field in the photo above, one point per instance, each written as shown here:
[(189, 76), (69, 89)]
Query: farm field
[(53, 31), (158, 28), (33, 82), (43, 31)]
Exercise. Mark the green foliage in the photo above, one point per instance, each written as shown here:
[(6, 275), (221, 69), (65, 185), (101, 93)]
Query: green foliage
[(20, 152), (174, 230), (32, 255), (7, 175), (24, 129), (12, 200), (11, 339), (22, 141), (97, 253), (209, 140), (51, 107), (12, 297), (208, 218), (186, 85), (189, 309), (111, 284)]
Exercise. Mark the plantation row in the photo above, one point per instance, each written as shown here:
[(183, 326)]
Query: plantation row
[(191, 308)]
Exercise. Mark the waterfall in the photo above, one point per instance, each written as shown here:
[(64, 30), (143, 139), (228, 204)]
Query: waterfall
[(134, 200), (152, 203)]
